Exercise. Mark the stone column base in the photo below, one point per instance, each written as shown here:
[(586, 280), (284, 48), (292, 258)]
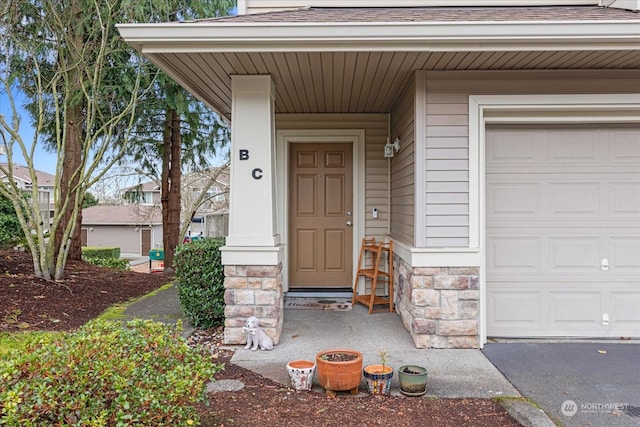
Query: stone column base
[(251, 290), (439, 306)]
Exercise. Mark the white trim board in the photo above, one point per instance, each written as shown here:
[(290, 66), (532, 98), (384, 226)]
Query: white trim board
[(284, 138), (485, 109)]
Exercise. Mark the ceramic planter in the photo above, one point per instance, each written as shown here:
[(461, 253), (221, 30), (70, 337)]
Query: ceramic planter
[(378, 378), (336, 373), (413, 380), (301, 374)]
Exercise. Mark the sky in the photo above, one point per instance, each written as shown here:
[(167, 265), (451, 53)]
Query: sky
[(43, 160)]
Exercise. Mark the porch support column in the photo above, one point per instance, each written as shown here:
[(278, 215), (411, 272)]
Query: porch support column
[(253, 254)]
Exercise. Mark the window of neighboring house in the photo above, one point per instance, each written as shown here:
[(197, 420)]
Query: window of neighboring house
[(139, 197)]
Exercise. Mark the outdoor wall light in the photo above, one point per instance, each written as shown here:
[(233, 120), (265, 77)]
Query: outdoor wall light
[(391, 148)]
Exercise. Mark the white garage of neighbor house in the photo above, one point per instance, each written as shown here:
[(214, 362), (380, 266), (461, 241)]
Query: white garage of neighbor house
[(514, 199), (135, 229)]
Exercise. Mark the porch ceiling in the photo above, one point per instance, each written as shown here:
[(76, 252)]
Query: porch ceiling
[(357, 82), (354, 61)]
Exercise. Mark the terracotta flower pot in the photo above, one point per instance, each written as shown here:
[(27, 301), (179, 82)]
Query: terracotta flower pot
[(336, 373), (378, 378)]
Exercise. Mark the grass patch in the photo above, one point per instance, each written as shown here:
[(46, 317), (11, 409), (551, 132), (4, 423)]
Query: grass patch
[(10, 341), (116, 311)]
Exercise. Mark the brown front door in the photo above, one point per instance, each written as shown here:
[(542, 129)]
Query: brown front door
[(320, 214), (145, 241)]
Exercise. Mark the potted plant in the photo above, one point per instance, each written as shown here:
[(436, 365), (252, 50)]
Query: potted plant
[(413, 380), (339, 370), (379, 376)]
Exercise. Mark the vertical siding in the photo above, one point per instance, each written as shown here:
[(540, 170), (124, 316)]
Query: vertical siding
[(402, 167), (375, 167), (447, 133)]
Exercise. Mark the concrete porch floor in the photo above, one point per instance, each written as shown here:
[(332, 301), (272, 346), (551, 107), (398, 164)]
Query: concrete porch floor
[(451, 373)]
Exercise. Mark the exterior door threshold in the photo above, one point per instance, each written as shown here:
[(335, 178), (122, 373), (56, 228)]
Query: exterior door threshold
[(319, 293)]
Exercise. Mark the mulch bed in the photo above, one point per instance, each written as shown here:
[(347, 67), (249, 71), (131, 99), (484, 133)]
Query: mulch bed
[(86, 291)]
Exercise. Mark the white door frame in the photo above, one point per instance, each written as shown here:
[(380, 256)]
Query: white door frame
[(528, 109), (284, 139)]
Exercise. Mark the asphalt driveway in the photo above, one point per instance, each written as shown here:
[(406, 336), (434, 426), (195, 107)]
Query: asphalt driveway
[(576, 384)]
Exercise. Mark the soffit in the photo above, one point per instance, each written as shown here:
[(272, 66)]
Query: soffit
[(359, 82), (346, 60)]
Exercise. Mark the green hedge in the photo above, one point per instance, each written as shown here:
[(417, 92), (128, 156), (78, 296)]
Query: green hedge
[(200, 281), (105, 257), (105, 374), (104, 253)]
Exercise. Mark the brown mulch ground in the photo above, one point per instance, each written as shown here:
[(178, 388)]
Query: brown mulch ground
[(34, 304)]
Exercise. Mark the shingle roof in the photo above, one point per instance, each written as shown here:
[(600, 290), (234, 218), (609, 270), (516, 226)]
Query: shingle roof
[(121, 215), (22, 173), (436, 14)]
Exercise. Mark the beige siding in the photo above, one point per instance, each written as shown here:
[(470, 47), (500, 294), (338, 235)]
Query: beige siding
[(403, 182), (447, 134), (376, 177)]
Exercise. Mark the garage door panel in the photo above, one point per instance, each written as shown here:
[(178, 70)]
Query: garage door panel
[(512, 147), (624, 199), (513, 307), (521, 199), (562, 229), (515, 255), (570, 147), (577, 199), (574, 254), (623, 147), (577, 309), (626, 307), (625, 254)]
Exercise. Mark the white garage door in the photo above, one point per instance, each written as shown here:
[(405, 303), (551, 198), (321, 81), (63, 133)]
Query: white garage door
[(563, 231)]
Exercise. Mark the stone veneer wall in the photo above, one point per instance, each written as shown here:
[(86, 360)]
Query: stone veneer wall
[(439, 306), (252, 291)]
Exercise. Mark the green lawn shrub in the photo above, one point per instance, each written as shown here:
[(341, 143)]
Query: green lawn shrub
[(102, 252), (105, 374), (200, 281), (105, 257)]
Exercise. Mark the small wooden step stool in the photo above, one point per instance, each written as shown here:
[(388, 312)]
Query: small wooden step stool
[(373, 250)]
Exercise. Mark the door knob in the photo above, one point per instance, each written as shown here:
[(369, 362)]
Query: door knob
[(349, 224)]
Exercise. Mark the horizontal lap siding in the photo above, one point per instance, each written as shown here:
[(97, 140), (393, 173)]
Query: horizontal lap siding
[(376, 181), (447, 133), (447, 175), (403, 168)]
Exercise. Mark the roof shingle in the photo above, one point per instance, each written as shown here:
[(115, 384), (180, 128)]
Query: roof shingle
[(435, 14)]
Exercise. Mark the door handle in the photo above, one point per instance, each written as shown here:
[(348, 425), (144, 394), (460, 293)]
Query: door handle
[(349, 224)]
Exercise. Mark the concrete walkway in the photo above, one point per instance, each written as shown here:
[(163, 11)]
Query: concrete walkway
[(452, 373)]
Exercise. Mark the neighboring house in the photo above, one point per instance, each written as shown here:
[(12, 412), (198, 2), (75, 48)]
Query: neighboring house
[(148, 193), (513, 194), (45, 181), (208, 214), (135, 229)]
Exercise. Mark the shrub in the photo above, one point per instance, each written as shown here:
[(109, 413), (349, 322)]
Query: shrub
[(200, 281), (105, 374), (105, 253), (120, 264), (105, 257)]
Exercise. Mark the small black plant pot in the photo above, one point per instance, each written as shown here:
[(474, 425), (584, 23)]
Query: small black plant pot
[(413, 380)]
